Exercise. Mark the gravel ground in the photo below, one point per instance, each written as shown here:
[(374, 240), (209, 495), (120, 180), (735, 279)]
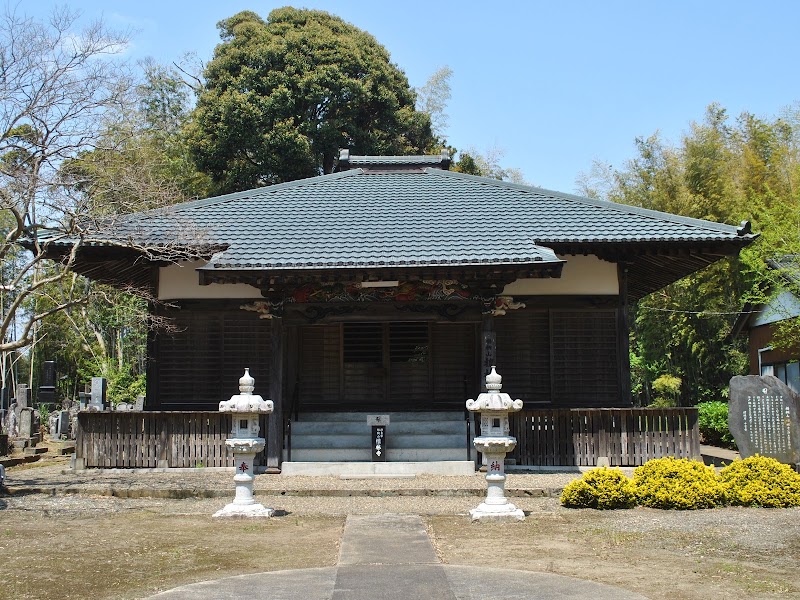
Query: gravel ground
[(56, 488), (58, 479)]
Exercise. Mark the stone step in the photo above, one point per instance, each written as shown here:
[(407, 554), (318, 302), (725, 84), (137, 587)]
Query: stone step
[(361, 428), (376, 469), (365, 440), (361, 416), (365, 454)]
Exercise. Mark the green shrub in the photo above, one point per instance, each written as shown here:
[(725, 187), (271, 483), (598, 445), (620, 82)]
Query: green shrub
[(667, 389), (677, 483), (602, 488), (713, 423), (760, 481)]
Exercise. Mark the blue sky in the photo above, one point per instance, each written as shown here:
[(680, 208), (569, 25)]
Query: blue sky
[(554, 84)]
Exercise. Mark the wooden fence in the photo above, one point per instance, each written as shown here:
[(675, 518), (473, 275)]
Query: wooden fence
[(566, 437), (627, 437), (156, 439)]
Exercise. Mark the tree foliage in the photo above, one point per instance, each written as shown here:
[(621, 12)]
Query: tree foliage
[(105, 336), (487, 164), (432, 99), (281, 97), (725, 170)]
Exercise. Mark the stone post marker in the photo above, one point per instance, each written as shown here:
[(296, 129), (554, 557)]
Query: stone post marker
[(494, 442), (245, 408)]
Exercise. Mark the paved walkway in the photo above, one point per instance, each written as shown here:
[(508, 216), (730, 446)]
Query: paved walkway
[(390, 556)]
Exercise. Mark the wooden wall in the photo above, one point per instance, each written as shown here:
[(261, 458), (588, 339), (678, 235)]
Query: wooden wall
[(557, 352), (560, 357), (199, 362)]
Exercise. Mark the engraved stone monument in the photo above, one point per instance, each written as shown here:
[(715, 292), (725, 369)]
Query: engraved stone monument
[(23, 396), (98, 397), (764, 418), (47, 386)]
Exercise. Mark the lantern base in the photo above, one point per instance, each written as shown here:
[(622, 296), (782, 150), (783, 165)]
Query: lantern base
[(497, 512), (244, 510)]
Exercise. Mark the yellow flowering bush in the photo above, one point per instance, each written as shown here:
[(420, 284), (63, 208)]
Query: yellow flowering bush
[(602, 488), (761, 481), (677, 483)]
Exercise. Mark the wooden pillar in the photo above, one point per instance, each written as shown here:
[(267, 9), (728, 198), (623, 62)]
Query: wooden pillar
[(152, 397), (623, 337), (275, 428), (488, 347)]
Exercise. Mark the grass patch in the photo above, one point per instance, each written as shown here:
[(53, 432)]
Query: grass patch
[(135, 554)]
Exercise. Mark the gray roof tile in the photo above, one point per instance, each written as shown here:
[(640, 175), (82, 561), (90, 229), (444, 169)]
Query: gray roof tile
[(431, 217)]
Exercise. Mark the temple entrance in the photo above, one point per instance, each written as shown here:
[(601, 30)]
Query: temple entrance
[(386, 366)]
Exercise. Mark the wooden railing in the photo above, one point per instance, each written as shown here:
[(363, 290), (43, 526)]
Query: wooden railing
[(156, 439), (627, 437), (567, 437)]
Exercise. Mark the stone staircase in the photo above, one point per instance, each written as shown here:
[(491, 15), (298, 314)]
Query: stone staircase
[(410, 437)]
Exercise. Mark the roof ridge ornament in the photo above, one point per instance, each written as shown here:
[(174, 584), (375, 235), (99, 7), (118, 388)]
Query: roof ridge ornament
[(393, 163), (745, 228)]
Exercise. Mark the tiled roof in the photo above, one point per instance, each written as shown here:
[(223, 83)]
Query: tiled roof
[(429, 217)]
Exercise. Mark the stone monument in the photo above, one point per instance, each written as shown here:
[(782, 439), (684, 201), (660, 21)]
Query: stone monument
[(97, 399), (494, 443), (764, 418), (22, 396), (245, 408), (47, 383), (26, 425)]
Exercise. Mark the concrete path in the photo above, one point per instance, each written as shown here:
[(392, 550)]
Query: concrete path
[(391, 557)]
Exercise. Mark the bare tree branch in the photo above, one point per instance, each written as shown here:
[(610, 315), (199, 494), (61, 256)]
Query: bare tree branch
[(64, 94)]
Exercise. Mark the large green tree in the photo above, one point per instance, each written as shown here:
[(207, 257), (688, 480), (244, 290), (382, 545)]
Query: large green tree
[(281, 97)]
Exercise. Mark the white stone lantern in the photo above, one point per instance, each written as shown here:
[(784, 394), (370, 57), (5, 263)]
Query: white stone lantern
[(494, 442), (245, 408)]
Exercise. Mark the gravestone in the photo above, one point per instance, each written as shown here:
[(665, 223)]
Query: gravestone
[(47, 385), (12, 422), (52, 424), (62, 423), (139, 403), (22, 395), (25, 427), (98, 398), (764, 418)]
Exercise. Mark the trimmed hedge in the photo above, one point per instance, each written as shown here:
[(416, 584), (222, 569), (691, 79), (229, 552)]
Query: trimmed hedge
[(760, 481), (683, 484), (677, 483), (602, 488)]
